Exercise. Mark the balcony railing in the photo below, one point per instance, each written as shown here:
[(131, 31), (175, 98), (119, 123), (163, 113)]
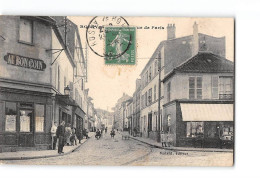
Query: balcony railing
[(225, 96)]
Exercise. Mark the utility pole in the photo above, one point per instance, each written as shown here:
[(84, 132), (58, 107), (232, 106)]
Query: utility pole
[(159, 97)]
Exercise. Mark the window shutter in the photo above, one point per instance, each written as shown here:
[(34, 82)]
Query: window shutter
[(215, 87)]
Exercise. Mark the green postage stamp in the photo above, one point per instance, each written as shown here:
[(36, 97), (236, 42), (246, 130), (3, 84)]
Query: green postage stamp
[(120, 45)]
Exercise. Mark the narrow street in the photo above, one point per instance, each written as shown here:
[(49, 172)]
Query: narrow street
[(118, 152)]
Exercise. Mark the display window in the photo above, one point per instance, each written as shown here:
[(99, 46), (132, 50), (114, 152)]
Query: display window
[(10, 116), (195, 129), (39, 118), (226, 132), (25, 120)]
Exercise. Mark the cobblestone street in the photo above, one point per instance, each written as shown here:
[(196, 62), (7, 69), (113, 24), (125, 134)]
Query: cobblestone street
[(107, 151)]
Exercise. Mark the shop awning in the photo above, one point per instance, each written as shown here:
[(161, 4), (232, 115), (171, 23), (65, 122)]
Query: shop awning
[(65, 100), (207, 112)]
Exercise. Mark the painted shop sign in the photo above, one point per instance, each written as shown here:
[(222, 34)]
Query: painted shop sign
[(25, 62)]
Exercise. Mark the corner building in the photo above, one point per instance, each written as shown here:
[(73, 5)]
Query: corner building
[(168, 55)]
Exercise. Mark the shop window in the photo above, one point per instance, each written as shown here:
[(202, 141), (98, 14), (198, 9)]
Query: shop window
[(211, 130), (225, 88), (226, 133), (25, 120), (39, 118), (195, 129), (26, 31), (195, 87), (10, 116)]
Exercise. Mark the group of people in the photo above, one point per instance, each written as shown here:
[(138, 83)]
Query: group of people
[(66, 135), (100, 132)]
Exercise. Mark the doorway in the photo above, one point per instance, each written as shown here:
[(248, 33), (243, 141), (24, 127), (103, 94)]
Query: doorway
[(26, 124), (149, 123)]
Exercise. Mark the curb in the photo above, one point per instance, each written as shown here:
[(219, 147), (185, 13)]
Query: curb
[(44, 156), (176, 149)]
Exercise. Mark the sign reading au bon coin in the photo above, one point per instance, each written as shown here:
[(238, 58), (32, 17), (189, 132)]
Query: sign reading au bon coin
[(25, 62)]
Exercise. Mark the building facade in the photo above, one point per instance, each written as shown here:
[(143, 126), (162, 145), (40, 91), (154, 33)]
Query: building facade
[(36, 67), (198, 105), (119, 112), (26, 82), (168, 55), (136, 106)]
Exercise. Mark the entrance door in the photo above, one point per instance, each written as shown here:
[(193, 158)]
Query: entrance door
[(79, 124), (149, 123), (26, 138)]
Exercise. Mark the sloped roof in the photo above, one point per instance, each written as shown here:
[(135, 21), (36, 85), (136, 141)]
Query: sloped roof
[(204, 62)]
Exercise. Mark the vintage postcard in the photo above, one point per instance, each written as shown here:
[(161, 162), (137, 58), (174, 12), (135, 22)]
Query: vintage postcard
[(117, 91)]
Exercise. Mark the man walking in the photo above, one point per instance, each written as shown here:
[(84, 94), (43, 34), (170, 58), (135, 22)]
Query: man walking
[(60, 135)]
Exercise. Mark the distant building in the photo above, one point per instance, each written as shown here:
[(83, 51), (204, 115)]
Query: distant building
[(119, 112)]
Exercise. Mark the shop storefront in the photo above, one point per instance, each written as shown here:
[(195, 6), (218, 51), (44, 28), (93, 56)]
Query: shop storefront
[(203, 124), (25, 120)]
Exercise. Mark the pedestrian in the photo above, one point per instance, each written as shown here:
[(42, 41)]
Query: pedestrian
[(112, 133), (53, 135), (68, 134), (73, 138), (98, 134), (85, 133), (79, 134), (60, 135)]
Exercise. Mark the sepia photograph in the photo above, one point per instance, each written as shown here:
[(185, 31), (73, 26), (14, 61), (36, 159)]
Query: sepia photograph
[(117, 91)]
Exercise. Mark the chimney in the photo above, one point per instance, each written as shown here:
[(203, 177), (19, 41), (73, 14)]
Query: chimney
[(195, 44), (171, 31)]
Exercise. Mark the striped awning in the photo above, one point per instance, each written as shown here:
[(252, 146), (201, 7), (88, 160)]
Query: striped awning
[(207, 112)]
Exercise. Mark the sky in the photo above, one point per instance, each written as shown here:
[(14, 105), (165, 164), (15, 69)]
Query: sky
[(107, 83)]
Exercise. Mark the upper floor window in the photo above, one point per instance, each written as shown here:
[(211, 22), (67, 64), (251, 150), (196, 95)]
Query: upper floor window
[(225, 87), (155, 67), (26, 31), (145, 98), (150, 96), (154, 90), (222, 87), (195, 87), (169, 92), (215, 87), (146, 77), (150, 73)]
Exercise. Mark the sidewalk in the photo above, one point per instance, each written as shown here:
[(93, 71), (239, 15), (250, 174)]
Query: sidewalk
[(24, 155), (156, 144)]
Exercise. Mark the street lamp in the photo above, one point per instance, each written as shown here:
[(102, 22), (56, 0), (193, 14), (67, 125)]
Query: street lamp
[(67, 90)]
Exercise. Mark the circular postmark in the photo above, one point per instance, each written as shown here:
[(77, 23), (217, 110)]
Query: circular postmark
[(100, 35)]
